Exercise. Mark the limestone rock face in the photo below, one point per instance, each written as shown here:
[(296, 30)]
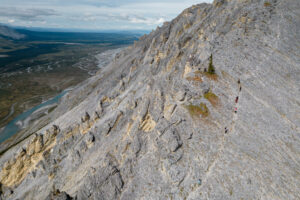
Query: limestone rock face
[(155, 124), (57, 195)]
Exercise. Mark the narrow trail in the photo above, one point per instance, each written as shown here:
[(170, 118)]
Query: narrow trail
[(235, 115), (231, 130)]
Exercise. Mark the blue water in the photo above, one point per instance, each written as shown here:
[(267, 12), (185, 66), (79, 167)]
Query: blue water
[(12, 128)]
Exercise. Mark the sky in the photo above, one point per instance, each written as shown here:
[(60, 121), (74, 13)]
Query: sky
[(92, 14)]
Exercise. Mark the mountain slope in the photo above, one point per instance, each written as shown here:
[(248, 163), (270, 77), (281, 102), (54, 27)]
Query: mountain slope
[(10, 33), (154, 124)]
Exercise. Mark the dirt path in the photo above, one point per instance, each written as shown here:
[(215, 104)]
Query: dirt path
[(231, 130)]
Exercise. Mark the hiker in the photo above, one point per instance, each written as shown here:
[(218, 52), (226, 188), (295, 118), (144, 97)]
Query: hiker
[(239, 81), (235, 109), (226, 130), (240, 88), (199, 181), (236, 99)]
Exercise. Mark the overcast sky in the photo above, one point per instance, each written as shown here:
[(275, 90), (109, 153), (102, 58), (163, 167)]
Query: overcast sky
[(92, 14)]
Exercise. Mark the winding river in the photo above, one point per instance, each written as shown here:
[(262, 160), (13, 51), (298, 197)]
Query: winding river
[(12, 127)]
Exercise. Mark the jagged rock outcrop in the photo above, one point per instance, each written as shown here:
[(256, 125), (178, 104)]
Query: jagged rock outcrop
[(155, 124), (26, 158)]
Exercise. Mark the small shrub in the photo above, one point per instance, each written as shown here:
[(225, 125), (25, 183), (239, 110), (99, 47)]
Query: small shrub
[(212, 98), (211, 76), (187, 26), (199, 110), (230, 192), (267, 4)]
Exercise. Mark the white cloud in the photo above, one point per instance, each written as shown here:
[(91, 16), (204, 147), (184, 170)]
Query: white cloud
[(92, 14), (148, 21), (26, 13), (90, 18)]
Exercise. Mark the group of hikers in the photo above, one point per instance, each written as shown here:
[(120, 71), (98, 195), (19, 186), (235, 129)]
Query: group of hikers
[(235, 111), (237, 98), (236, 102)]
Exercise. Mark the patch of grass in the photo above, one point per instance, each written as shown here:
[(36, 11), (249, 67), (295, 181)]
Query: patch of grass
[(267, 4), (208, 75), (198, 110), (195, 78), (212, 98), (211, 76), (187, 26)]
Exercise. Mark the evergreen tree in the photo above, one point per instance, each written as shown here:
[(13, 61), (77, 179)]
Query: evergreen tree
[(211, 68)]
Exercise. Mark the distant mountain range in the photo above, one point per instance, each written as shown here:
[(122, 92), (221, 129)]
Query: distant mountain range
[(8, 32), (78, 30), (19, 32)]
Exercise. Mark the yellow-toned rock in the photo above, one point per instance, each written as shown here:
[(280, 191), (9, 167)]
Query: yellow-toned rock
[(15, 170), (243, 19), (148, 124), (38, 144), (187, 69)]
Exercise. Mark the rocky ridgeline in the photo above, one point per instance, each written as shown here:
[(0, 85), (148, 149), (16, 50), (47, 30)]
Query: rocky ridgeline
[(204, 107)]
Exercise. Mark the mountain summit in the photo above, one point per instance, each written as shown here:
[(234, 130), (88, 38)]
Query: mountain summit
[(204, 107)]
